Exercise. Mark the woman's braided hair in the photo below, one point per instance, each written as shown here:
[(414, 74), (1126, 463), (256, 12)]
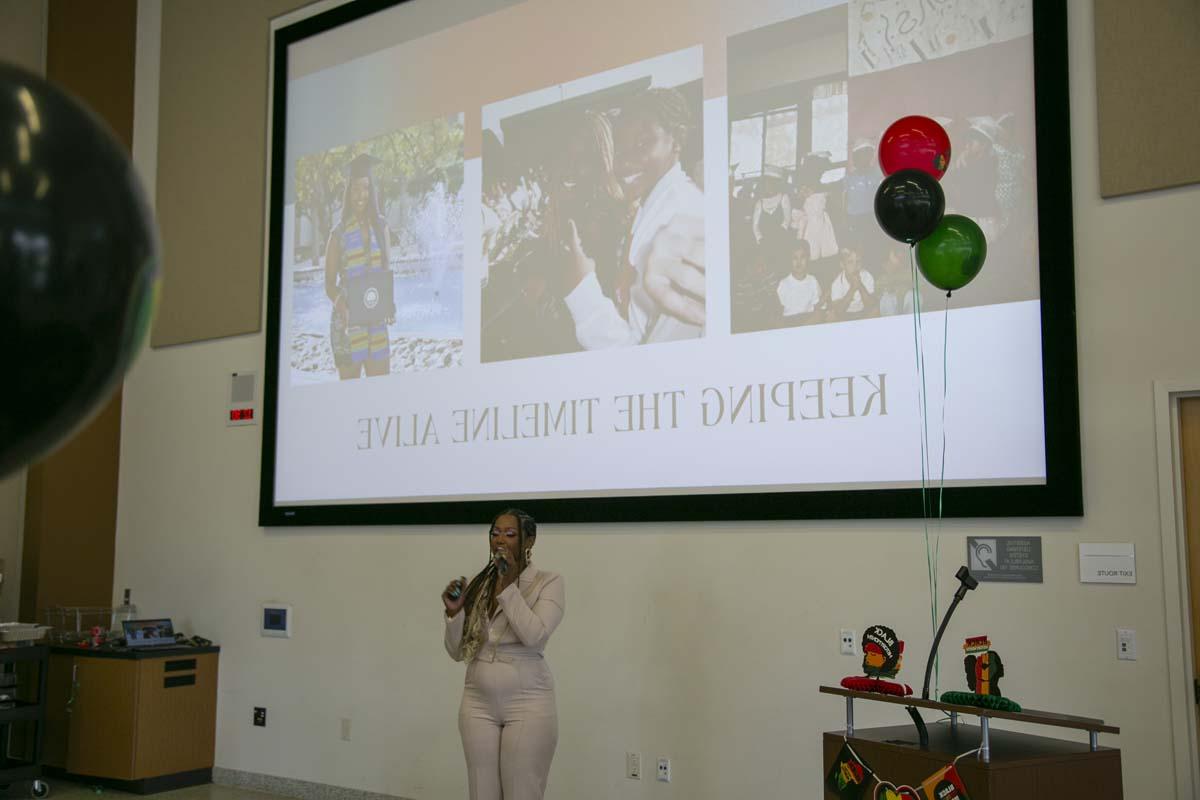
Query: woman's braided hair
[(480, 596)]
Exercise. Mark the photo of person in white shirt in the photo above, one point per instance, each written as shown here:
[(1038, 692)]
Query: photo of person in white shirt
[(607, 245), (852, 294), (649, 304), (799, 291), (895, 286)]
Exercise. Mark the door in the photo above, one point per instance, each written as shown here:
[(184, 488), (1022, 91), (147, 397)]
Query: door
[(102, 729), (1189, 451)]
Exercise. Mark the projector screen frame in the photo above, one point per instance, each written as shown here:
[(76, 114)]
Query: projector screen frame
[(1061, 495)]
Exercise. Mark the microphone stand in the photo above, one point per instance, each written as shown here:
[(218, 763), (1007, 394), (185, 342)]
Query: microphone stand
[(966, 583)]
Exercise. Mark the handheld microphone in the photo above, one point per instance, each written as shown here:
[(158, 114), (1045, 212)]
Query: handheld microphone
[(500, 562), (456, 592)]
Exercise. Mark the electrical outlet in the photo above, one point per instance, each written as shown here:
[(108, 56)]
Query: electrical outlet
[(260, 717), (1126, 644), (847, 639), (345, 729), (664, 770), (633, 766)]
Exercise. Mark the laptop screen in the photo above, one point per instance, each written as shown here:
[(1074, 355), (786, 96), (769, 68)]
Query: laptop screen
[(148, 632)]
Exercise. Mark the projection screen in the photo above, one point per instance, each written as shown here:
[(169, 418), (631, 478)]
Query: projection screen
[(620, 261)]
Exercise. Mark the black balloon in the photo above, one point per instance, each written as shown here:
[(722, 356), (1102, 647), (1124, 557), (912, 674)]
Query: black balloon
[(78, 265), (909, 205)]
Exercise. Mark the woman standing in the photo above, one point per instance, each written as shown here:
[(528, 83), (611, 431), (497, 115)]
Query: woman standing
[(358, 252), (499, 624)]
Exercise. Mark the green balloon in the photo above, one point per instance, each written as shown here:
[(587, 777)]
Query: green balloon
[(953, 254)]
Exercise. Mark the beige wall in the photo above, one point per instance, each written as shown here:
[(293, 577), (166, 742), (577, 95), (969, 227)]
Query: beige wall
[(22, 42), (23, 34), (702, 642)]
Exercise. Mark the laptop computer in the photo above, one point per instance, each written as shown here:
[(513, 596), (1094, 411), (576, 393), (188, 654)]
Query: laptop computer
[(148, 633), (369, 297)]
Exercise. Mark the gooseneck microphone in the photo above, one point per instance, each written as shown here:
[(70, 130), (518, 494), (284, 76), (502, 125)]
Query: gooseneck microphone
[(967, 582)]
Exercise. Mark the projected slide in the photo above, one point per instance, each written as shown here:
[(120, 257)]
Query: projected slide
[(557, 250)]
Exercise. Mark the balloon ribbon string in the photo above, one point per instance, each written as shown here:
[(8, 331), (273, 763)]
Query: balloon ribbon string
[(945, 394), (923, 409)]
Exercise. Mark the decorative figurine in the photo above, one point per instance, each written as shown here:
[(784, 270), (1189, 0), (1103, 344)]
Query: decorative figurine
[(883, 654), (983, 665), (984, 670)]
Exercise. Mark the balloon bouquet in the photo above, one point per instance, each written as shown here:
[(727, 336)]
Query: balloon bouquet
[(950, 249), (914, 154), (79, 265)]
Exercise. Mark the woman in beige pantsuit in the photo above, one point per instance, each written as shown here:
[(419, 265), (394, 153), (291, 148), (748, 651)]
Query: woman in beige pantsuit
[(499, 625)]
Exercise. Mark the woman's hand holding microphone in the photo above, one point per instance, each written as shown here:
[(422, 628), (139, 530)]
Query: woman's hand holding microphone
[(506, 572), (455, 596)]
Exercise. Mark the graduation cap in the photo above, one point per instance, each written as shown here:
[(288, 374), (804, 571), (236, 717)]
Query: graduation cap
[(360, 166)]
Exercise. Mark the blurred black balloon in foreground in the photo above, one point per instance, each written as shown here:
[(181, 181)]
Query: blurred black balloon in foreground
[(78, 265)]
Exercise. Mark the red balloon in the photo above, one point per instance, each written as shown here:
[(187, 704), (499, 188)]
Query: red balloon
[(915, 143)]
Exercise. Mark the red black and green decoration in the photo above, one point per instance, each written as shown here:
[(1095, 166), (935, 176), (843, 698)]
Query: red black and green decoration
[(945, 784), (883, 655), (984, 670), (848, 778)]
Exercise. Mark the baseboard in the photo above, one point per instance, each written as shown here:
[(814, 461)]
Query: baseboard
[(163, 783), (290, 787)]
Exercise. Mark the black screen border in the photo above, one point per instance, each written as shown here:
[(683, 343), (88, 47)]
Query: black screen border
[(1061, 495)]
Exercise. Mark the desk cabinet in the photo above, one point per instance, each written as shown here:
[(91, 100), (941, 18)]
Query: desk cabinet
[(144, 721)]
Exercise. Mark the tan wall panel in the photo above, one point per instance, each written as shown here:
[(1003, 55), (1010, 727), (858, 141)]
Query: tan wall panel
[(71, 519), (71, 496), (212, 166), (1147, 74)]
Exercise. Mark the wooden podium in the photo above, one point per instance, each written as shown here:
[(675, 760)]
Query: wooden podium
[(1009, 766)]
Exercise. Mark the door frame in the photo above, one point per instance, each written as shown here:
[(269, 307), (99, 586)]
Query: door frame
[(1180, 670)]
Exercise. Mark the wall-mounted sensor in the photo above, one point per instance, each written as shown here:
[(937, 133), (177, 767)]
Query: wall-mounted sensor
[(243, 404), (277, 621)]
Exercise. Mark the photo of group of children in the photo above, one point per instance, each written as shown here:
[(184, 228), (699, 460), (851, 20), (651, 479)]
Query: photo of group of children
[(592, 200), (805, 247)]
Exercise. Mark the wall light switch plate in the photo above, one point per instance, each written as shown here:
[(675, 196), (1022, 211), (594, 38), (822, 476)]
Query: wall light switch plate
[(1126, 644)]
